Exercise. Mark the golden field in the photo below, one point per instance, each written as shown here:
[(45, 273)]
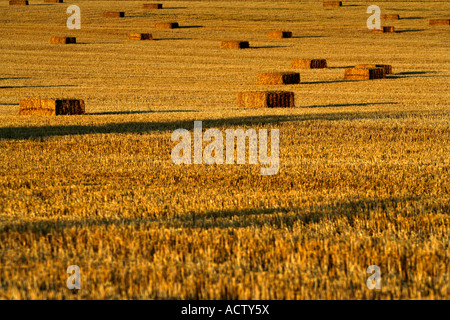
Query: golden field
[(364, 165)]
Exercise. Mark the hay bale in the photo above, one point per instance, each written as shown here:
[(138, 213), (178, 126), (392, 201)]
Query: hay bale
[(279, 34), (234, 44), (390, 17), (267, 99), (166, 25), (389, 29), (51, 107), (387, 68), (440, 22), (113, 14), (278, 78), (62, 40), (364, 74), (18, 3), (332, 3), (140, 36), (308, 63), (152, 6)]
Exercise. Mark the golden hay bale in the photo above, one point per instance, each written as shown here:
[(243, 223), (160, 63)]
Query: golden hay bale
[(267, 99), (332, 3), (113, 14), (18, 3), (62, 40), (140, 36), (384, 30), (308, 63), (234, 44), (166, 25), (278, 78), (51, 107), (390, 17), (364, 74), (152, 6), (442, 22), (279, 34), (387, 68)]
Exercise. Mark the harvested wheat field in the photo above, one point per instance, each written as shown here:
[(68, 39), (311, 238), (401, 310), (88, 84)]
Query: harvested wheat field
[(363, 173)]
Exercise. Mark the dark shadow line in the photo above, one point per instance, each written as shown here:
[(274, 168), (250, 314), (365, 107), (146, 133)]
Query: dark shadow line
[(302, 37), (9, 104), (172, 8), (189, 27), (267, 47), (410, 30), (349, 104), (137, 112), (143, 127), (15, 78), (410, 18), (322, 82), (57, 86), (161, 39), (346, 67)]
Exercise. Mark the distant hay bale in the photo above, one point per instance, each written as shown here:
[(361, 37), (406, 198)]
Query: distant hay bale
[(389, 29), (18, 3), (234, 44), (279, 34), (308, 63), (51, 107), (113, 14), (278, 78), (267, 99), (441, 22), (152, 6), (332, 3), (166, 25), (387, 68), (390, 17), (140, 36), (62, 40), (364, 73)]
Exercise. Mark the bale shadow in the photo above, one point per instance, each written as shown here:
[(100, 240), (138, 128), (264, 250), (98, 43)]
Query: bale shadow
[(304, 37), (162, 39), (55, 86), (344, 67), (410, 30), (267, 47), (327, 81), (411, 18), (9, 104), (15, 78), (189, 27), (348, 105), (173, 8), (143, 127), (136, 112)]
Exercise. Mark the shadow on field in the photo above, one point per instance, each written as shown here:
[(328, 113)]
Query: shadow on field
[(171, 8), (55, 86), (9, 104), (329, 81), (136, 112), (348, 104), (189, 27), (280, 217), (410, 18), (410, 30), (267, 47), (39, 132), (161, 39), (304, 37)]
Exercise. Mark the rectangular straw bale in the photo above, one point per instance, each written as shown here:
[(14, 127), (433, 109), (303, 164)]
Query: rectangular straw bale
[(166, 25), (113, 14), (51, 107), (442, 22), (387, 67), (267, 99), (62, 40), (18, 3), (279, 34), (140, 36), (234, 44), (390, 17), (278, 78), (389, 29), (364, 74), (308, 64), (152, 6), (53, 1), (332, 3)]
